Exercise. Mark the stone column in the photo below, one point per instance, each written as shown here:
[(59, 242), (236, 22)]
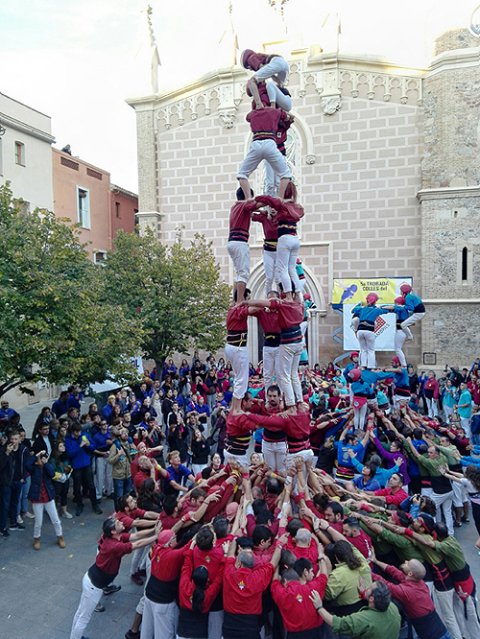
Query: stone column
[(149, 214)]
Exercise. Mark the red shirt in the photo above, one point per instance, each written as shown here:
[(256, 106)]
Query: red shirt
[(127, 519), (390, 497), (240, 218), (187, 586), (242, 424), (237, 318), (310, 553), (413, 595), (111, 551), (362, 543), (167, 562), (211, 559), (270, 230), (293, 599), (264, 122), (269, 321), (289, 313), (242, 587)]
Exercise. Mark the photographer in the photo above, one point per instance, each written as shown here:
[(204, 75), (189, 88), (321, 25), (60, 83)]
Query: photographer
[(42, 496)]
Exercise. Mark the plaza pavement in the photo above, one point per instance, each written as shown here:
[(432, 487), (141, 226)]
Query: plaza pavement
[(40, 591)]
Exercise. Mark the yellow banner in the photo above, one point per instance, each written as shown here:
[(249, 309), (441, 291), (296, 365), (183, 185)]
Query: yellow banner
[(354, 290)]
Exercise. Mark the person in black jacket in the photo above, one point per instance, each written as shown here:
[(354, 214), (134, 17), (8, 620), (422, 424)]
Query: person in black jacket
[(13, 471)]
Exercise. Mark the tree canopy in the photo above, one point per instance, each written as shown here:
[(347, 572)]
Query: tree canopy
[(56, 322), (175, 291)]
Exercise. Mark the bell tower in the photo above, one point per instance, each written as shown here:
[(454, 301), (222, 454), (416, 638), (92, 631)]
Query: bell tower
[(450, 200)]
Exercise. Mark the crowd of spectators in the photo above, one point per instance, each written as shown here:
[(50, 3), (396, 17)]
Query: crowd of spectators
[(357, 540)]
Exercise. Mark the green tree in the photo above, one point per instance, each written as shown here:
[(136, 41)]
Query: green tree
[(56, 322), (176, 292)]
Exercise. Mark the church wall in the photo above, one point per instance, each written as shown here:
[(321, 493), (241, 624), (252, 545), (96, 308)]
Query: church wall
[(360, 194)]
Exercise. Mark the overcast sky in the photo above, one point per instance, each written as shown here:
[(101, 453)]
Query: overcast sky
[(77, 61)]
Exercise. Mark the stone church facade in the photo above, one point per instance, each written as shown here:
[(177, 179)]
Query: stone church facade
[(387, 167)]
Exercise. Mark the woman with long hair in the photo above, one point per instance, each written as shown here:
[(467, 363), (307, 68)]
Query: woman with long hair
[(343, 582), (197, 592), (61, 479)]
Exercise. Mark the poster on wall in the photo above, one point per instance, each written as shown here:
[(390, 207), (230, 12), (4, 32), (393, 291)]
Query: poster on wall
[(353, 290), (384, 331), (349, 291)]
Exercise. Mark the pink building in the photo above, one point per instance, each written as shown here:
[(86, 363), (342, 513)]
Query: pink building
[(124, 207), (84, 195)]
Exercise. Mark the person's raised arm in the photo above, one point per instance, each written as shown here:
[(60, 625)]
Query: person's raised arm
[(252, 85)]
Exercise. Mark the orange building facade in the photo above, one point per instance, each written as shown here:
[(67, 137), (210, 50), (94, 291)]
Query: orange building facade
[(84, 195)]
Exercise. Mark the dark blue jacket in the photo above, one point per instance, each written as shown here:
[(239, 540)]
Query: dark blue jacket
[(38, 473), (77, 454)]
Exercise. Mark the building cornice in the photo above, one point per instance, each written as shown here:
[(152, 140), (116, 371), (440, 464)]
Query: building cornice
[(9, 122), (446, 193), (332, 77), (454, 59)]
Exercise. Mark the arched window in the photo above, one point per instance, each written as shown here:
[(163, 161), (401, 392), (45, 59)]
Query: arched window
[(464, 264)]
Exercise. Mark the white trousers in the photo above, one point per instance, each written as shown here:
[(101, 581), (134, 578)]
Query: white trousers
[(400, 338), (469, 625), (88, 601), (264, 150), (444, 606), (240, 255), (238, 356), (413, 319), (103, 477), (306, 455), (448, 410), (460, 494), (277, 66), (269, 259), (241, 459), (288, 379), (432, 405), (197, 468), (465, 424), (51, 510), (359, 415), (444, 503), (159, 621), (270, 365), (139, 557), (366, 340), (275, 455), (272, 181), (141, 602), (288, 248)]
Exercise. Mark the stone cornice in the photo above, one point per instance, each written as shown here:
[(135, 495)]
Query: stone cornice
[(454, 59), (450, 192), (12, 123), (330, 76)]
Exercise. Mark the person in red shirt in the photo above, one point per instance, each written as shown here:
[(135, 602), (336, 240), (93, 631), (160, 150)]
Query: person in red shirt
[(274, 444), (289, 213), (290, 316), (292, 593), (112, 546), (268, 319), (243, 585), (264, 123), (236, 349), (160, 613), (199, 587), (270, 240), (240, 425), (238, 235), (414, 596)]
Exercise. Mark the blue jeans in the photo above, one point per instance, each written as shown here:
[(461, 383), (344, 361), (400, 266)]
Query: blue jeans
[(23, 501), (121, 487)]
